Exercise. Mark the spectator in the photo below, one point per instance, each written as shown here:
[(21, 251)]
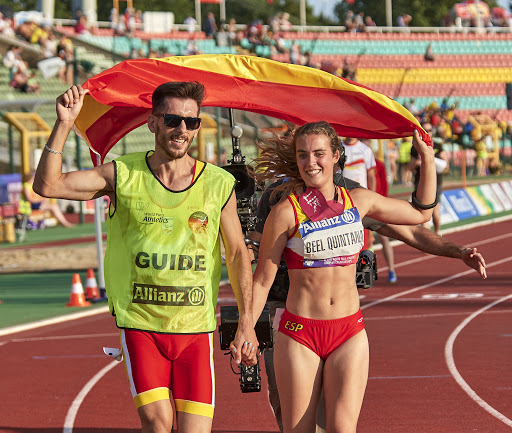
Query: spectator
[(49, 46), (139, 22), (429, 54), (349, 19), (349, 70), (413, 108), (360, 167), (403, 20), (37, 34), (368, 21), (192, 49), (482, 158), (7, 28), (191, 24), (41, 203), (66, 53), (404, 157), (129, 22), (296, 54), (280, 44), (12, 58), (284, 23), (210, 26), (274, 23), (392, 159), (232, 33), (82, 27)]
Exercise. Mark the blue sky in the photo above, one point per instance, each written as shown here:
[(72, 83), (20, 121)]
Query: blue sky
[(328, 5)]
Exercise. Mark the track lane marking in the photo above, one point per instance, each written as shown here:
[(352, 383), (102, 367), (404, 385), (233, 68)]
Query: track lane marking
[(68, 426), (77, 402), (433, 283), (450, 361), (428, 256)]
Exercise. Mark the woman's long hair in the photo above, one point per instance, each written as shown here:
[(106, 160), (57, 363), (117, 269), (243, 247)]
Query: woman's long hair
[(277, 157)]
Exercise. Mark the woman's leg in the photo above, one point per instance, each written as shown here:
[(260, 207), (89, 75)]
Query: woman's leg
[(57, 213), (299, 381), (345, 377)]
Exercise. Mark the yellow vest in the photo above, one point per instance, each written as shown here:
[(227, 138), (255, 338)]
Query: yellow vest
[(162, 263)]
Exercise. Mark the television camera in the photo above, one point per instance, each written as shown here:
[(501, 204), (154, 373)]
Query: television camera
[(245, 187)]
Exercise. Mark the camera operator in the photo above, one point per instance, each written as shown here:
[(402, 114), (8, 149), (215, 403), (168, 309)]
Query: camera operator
[(415, 236)]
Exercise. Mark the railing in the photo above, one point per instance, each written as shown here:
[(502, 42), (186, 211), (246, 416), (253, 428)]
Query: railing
[(336, 29)]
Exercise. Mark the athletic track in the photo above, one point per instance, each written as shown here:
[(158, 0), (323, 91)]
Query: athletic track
[(440, 347)]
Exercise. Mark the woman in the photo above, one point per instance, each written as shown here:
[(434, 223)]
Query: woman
[(321, 340), (35, 202)]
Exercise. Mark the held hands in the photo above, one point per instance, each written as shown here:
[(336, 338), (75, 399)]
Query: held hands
[(244, 346), (474, 260), (70, 103)]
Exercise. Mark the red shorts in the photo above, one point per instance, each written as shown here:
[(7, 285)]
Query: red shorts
[(321, 336), (180, 363)]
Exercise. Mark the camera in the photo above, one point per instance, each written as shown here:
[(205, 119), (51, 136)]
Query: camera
[(366, 269), (245, 191), (250, 379), (245, 187), (229, 324)]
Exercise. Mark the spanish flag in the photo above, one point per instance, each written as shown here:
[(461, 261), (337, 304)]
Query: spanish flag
[(119, 99)]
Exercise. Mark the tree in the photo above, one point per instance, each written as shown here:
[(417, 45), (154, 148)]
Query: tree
[(424, 14)]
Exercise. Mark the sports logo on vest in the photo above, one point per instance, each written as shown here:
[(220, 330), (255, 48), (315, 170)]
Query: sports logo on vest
[(198, 222), (148, 218), (183, 296)]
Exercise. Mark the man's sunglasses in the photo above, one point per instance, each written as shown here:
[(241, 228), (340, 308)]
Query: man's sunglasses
[(173, 121)]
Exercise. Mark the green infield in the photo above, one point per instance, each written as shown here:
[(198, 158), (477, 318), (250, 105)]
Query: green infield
[(30, 297)]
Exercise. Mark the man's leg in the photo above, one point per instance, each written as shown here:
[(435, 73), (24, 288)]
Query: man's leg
[(193, 384), (192, 423), (389, 257), (156, 417)]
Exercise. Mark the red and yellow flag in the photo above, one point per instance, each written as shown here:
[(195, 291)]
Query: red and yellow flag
[(119, 99)]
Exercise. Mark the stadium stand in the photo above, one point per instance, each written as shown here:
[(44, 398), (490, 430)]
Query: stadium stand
[(470, 70)]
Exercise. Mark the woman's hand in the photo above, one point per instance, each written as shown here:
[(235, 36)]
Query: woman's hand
[(424, 150)]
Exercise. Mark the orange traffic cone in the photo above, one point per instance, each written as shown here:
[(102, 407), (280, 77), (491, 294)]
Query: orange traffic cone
[(91, 286), (77, 298)]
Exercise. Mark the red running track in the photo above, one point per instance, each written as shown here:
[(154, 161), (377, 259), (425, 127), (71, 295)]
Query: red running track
[(440, 347)]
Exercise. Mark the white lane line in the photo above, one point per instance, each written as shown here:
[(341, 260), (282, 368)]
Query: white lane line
[(53, 321), (448, 353), (433, 283), (73, 409), (410, 377), (430, 256), (68, 425), (430, 316), (64, 337)]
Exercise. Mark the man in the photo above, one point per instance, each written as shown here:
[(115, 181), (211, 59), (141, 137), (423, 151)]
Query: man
[(416, 236), (162, 264), (360, 163), (361, 167)]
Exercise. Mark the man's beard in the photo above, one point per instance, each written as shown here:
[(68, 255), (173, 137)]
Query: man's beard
[(174, 153)]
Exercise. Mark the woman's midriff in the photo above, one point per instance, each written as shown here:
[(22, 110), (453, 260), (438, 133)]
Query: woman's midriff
[(323, 293)]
